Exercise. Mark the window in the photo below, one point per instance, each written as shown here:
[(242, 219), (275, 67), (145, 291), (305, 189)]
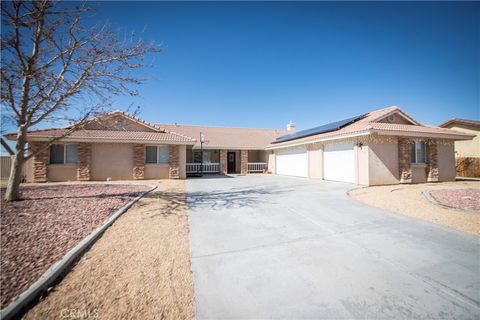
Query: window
[(418, 152), (156, 154), (197, 156), (63, 154)]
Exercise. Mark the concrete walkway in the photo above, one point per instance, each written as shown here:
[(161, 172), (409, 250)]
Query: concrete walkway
[(292, 248)]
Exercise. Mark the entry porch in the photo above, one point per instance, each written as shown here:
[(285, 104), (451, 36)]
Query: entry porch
[(225, 161)]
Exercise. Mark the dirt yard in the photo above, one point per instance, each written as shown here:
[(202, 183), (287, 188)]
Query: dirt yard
[(409, 200), (50, 220), (139, 269)]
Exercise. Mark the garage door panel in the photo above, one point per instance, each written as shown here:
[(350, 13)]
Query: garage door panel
[(292, 162), (339, 162)]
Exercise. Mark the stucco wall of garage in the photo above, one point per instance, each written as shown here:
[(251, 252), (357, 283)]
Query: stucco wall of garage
[(315, 162), (62, 172), (272, 162), (446, 162), (467, 148), (182, 154), (362, 169), (114, 161), (383, 162)]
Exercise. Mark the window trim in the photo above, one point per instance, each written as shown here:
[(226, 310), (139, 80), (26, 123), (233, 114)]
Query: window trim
[(158, 147), (65, 163), (414, 146)]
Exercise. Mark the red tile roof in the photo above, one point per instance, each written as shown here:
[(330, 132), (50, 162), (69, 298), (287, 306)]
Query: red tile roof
[(368, 124), (470, 122)]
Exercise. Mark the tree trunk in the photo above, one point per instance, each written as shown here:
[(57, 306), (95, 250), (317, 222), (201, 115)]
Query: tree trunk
[(13, 186)]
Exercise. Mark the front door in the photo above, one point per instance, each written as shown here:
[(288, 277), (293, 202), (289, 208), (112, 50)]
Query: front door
[(231, 162)]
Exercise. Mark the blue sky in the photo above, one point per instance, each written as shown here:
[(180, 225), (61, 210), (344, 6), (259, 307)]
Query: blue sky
[(262, 64), (253, 64)]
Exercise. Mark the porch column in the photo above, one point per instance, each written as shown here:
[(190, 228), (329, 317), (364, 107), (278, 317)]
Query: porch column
[(173, 162), (223, 162), (432, 158), (405, 168), (243, 161), (40, 162), (84, 161), (138, 161)]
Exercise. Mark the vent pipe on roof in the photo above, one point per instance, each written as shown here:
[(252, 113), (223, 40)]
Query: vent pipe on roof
[(291, 127)]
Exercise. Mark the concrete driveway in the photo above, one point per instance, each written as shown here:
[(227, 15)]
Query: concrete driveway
[(292, 248)]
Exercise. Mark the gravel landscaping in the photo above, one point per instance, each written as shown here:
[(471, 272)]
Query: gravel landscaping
[(465, 199), (409, 200), (51, 219), (139, 268)]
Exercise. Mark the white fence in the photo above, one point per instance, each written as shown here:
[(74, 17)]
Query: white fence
[(257, 166), (207, 167)]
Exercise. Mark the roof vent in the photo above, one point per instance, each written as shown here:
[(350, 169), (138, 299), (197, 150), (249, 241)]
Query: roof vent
[(291, 127)]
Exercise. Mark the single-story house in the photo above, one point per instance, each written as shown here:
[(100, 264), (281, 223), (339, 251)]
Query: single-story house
[(467, 152), (385, 146)]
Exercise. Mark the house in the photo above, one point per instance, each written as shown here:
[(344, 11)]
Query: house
[(385, 146), (467, 152)]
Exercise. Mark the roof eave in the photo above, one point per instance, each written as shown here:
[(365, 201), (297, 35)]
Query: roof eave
[(418, 134), (109, 140), (336, 137)]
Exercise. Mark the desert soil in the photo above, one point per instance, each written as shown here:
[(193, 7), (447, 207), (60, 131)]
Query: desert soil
[(409, 200), (50, 220), (139, 268)]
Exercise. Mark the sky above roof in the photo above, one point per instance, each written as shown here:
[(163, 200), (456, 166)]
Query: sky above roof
[(262, 64), (250, 64)]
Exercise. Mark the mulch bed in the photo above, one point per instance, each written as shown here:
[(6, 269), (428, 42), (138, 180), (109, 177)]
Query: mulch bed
[(466, 199), (50, 220)]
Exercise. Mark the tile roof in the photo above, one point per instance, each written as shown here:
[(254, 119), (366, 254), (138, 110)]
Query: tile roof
[(227, 138), (368, 124), (111, 135), (474, 123)]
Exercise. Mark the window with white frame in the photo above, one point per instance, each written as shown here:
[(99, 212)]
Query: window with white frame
[(197, 156), (156, 154), (63, 154), (419, 152)]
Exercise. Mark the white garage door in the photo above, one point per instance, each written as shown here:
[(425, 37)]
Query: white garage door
[(292, 162), (339, 162)]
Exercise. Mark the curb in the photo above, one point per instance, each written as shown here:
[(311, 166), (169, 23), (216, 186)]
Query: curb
[(61, 265), (426, 194)]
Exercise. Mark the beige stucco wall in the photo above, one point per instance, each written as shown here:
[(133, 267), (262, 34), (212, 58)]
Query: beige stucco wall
[(156, 171), (382, 162), (468, 148), (315, 162), (113, 161), (446, 162), (271, 162), (62, 172), (361, 170), (419, 173)]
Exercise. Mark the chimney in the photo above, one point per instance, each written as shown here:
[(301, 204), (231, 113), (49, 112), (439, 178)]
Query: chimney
[(291, 127)]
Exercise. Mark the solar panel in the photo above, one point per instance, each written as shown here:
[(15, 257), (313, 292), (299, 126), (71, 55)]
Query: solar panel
[(320, 129)]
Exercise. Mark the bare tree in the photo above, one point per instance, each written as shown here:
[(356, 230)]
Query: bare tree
[(54, 68)]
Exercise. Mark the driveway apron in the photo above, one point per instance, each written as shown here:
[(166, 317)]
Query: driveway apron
[(291, 248)]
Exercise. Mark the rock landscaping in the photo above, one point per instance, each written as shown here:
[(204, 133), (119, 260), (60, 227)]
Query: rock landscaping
[(50, 220), (464, 199)]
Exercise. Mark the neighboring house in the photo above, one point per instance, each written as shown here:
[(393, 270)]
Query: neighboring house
[(381, 147), (467, 152)]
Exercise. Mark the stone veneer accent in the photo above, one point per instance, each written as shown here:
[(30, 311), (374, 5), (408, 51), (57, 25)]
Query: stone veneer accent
[(84, 161), (243, 161), (173, 162), (405, 168), (223, 162), (432, 158), (138, 161), (40, 161)]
